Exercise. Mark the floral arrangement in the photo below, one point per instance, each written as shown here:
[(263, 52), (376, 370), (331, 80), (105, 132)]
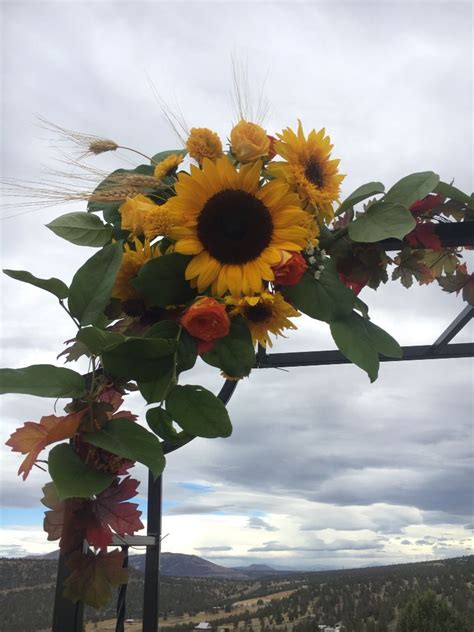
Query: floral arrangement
[(209, 261)]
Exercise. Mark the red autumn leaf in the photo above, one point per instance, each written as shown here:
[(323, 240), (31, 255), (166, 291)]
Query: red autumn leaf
[(60, 522), (424, 236), (108, 513), (355, 286), (93, 576), (34, 437), (115, 399), (426, 204)]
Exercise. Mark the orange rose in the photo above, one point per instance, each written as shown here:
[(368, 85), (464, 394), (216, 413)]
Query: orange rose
[(206, 319), (249, 141), (290, 270)]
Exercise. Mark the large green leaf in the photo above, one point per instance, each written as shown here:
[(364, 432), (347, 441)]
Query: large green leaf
[(82, 229), (72, 477), (353, 341), (53, 285), (131, 441), (155, 391), (139, 358), (234, 354), (161, 423), (325, 299), (361, 341), (44, 380), (453, 193), (161, 281), (412, 188), (97, 340), (198, 411), (187, 347), (92, 284), (382, 220), (362, 193)]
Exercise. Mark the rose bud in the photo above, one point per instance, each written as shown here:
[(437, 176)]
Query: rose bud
[(291, 269), (249, 141), (206, 320)]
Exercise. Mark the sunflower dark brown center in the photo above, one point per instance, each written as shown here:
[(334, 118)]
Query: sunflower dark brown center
[(258, 313), (313, 173), (234, 226)]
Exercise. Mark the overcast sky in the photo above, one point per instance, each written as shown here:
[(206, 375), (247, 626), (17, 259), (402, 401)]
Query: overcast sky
[(323, 468)]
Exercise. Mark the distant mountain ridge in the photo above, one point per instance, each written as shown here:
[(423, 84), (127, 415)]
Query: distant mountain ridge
[(184, 565)]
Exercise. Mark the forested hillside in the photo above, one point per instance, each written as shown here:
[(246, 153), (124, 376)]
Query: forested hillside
[(363, 600)]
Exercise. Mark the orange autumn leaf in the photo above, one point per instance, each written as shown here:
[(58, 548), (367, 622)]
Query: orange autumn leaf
[(33, 437)]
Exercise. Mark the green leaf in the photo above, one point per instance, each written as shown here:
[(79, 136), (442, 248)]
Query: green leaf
[(453, 193), (161, 423), (187, 347), (82, 229), (353, 341), (53, 285), (131, 441), (412, 188), (97, 340), (382, 220), (44, 380), (92, 284), (325, 299), (161, 281), (234, 354), (155, 391), (72, 477), (362, 193), (198, 411), (361, 341), (382, 341), (160, 156), (140, 359)]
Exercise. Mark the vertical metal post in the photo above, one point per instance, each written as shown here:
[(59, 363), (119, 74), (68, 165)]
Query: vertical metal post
[(66, 614), (152, 556), (122, 597)]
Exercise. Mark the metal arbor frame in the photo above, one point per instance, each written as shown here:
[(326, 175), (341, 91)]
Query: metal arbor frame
[(68, 617)]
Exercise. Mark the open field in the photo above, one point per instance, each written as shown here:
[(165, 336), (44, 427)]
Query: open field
[(239, 607)]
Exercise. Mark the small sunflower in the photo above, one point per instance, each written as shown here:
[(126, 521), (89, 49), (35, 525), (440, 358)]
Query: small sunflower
[(203, 143), (134, 212), (133, 260), (265, 314), (235, 229), (308, 168), (159, 222), (167, 166)]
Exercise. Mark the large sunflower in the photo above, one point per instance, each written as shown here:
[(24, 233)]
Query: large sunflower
[(308, 168), (265, 314), (235, 228)]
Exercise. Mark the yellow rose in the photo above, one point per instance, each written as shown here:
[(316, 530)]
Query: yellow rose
[(249, 141)]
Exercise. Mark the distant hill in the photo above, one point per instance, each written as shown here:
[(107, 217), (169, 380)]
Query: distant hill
[(182, 565)]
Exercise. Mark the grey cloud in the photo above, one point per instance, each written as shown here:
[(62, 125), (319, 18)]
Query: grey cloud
[(258, 523), (205, 549), (320, 545), (405, 542)]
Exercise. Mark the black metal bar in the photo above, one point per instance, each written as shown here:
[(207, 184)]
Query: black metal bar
[(152, 556), (451, 235), (454, 328), (122, 597), (66, 614), (318, 358)]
